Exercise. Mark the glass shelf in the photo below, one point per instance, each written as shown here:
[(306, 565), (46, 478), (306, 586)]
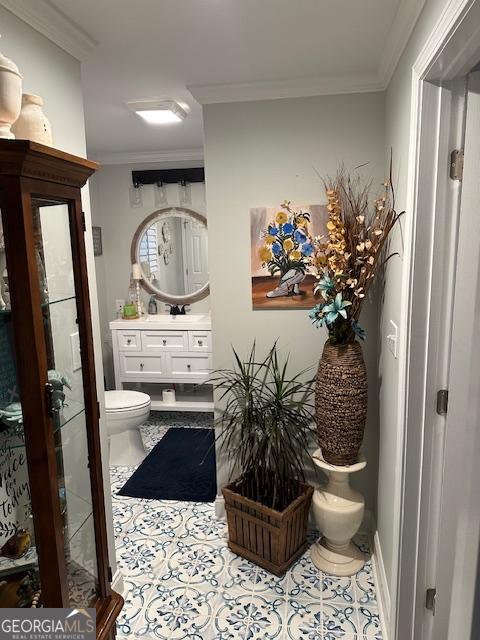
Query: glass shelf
[(75, 518), (50, 303), (28, 561), (45, 305), (14, 440), (70, 411), (77, 514)]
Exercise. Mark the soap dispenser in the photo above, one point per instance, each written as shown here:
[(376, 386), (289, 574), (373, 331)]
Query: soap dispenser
[(152, 307)]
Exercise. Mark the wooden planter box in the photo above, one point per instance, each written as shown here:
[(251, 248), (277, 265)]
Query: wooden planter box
[(272, 539)]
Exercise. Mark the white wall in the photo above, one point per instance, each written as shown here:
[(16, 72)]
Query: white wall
[(398, 111), (55, 75), (259, 154), (111, 211)]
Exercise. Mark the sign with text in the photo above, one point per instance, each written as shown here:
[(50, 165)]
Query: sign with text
[(14, 487), (47, 624)]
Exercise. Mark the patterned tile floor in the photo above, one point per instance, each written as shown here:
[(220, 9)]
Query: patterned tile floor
[(182, 581)]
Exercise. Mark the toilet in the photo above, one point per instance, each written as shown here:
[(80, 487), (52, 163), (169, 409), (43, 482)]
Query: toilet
[(126, 411)]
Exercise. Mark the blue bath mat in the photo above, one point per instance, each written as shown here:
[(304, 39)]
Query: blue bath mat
[(180, 467)]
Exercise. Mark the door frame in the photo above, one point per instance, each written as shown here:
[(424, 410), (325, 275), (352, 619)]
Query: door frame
[(459, 525), (450, 51)]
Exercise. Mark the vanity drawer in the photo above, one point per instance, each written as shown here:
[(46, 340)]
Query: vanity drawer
[(142, 366), (200, 341), (188, 365), (129, 340), (164, 341)]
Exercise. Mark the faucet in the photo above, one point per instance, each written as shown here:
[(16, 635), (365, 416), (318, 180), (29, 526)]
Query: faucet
[(176, 310)]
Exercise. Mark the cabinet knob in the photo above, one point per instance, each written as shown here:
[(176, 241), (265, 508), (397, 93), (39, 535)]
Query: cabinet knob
[(164, 342), (141, 366), (129, 341), (189, 366), (200, 343)]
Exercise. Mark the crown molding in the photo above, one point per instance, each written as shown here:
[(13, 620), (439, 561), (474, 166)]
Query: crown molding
[(446, 24), (397, 39), (403, 24), (42, 16), (148, 157), (297, 88)]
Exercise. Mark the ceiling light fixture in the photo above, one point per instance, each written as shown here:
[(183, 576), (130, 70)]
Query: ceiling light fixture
[(158, 111)]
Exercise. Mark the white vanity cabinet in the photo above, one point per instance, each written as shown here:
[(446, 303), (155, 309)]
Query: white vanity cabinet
[(165, 350)]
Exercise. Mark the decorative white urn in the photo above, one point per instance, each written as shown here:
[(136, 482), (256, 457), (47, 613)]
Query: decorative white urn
[(338, 510), (10, 96), (33, 124)]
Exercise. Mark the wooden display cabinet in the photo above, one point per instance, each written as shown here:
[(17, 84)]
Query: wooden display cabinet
[(51, 490)]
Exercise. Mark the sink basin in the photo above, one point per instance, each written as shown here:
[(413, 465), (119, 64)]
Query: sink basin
[(189, 317), (164, 321)]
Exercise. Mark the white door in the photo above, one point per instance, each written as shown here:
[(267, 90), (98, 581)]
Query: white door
[(440, 238), (195, 259), (453, 531)]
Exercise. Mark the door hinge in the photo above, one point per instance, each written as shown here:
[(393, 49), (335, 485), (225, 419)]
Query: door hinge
[(430, 599), (109, 574), (83, 221), (442, 402), (98, 410), (456, 164)]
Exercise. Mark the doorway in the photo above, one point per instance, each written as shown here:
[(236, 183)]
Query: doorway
[(441, 523)]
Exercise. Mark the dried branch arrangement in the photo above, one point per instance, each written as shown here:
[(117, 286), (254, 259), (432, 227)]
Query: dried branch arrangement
[(348, 258)]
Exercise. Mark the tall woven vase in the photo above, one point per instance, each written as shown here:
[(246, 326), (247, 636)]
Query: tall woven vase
[(341, 402)]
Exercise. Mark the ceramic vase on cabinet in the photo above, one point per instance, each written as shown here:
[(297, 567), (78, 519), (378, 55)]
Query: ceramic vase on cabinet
[(10, 96), (32, 123)]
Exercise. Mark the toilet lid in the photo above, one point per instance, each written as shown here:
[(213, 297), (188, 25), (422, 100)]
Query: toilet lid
[(123, 399)]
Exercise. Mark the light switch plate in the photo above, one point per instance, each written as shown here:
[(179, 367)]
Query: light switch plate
[(75, 348), (392, 339)]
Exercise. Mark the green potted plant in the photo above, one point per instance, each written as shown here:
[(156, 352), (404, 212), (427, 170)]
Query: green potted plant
[(265, 429), (345, 263)]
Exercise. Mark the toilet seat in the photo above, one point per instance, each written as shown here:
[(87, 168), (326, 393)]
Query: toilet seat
[(121, 401)]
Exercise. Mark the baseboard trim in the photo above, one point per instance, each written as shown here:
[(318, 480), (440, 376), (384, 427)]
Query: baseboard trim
[(117, 583), (383, 593), (367, 526)]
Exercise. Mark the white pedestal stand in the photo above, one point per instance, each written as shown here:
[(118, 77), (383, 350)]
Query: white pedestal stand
[(338, 511)]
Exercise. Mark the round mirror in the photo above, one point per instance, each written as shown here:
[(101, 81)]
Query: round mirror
[(171, 246)]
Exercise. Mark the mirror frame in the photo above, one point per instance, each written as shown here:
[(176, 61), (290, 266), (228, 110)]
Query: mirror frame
[(203, 292)]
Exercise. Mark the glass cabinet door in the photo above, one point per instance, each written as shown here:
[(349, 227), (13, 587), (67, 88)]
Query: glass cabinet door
[(20, 583), (53, 538), (66, 398), (19, 572)]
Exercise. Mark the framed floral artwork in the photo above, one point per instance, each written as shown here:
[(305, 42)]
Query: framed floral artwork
[(281, 254)]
